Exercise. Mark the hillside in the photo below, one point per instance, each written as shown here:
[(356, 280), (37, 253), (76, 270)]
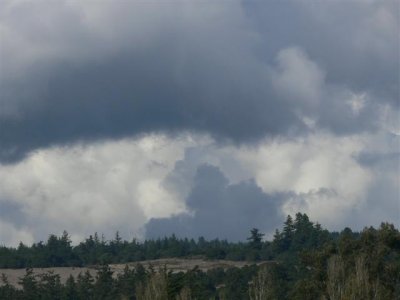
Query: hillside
[(306, 262), (174, 265)]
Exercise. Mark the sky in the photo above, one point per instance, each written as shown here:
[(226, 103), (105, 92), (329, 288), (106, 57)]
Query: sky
[(199, 118)]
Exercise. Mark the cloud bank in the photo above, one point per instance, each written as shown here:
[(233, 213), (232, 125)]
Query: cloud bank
[(88, 71), (115, 113), (158, 185)]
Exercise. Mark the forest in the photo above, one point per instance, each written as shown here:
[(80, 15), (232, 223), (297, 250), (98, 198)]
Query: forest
[(303, 261)]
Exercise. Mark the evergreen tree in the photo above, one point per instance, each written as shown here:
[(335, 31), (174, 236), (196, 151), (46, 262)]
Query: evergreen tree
[(70, 291), (7, 291), (29, 285), (104, 285), (255, 239), (126, 283), (85, 286), (50, 286)]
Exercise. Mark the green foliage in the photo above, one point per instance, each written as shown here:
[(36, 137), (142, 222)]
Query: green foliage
[(69, 291), (29, 285), (304, 261), (50, 286), (7, 291), (58, 252), (255, 239), (104, 285), (84, 286)]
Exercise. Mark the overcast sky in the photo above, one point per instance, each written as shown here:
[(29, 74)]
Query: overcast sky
[(200, 118)]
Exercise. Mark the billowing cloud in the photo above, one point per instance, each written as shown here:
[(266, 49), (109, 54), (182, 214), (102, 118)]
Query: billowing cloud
[(88, 71), (218, 209), (322, 175), (109, 109), (157, 185), (103, 187)]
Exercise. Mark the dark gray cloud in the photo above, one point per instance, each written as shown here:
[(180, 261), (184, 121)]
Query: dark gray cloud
[(152, 68), (357, 42), (220, 209), (385, 161), (138, 93), (12, 212)]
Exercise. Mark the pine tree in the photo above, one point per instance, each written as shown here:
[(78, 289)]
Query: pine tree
[(7, 291), (104, 286), (85, 286), (29, 285), (50, 286), (255, 239), (70, 291)]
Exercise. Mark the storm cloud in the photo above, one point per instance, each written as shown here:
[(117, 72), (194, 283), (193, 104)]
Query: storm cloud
[(83, 72), (218, 209), (163, 115)]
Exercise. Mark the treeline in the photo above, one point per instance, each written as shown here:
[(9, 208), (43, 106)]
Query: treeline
[(58, 251), (297, 234), (305, 262)]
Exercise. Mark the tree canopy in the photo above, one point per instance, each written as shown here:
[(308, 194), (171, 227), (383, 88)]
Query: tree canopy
[(303, 261)]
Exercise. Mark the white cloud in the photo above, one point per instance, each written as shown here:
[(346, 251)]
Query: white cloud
[(98, 187), (11, 236), (321, 169), (156, 201), (357, 102), (120, 185), (309, 165)]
